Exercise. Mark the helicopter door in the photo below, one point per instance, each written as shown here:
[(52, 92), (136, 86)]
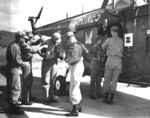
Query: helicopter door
[(143, 36)]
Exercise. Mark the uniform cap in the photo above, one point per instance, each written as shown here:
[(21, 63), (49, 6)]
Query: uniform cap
[(68, 34), (22, 34), (115, 28), (28, 33), (99, 37)]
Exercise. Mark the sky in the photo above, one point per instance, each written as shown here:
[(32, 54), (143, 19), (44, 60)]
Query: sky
[(14, 13)]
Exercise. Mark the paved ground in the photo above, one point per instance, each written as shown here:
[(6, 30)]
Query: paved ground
[(129, 102)]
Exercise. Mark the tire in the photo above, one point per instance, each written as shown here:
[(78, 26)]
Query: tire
[(61, 87)]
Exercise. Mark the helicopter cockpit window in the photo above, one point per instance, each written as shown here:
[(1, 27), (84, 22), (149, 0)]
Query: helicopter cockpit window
[(88, 36), (123, 4)]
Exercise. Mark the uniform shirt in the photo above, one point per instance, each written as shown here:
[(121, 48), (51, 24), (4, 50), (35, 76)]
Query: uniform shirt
[(28, 51), (114, 46), (52, 52), (97, 52), (73, 54), (13, 56)]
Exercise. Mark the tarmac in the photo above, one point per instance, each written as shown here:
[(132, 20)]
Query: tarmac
[(131, 101)]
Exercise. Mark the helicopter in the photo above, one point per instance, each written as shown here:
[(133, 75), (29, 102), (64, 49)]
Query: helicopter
[(134, 25)]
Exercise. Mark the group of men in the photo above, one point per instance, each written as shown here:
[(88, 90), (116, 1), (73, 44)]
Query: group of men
[(19, 55)]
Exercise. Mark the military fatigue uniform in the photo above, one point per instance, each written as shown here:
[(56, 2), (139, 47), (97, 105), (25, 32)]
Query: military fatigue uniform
[(49, 67), (27, 53), (75, 60), (96, 72), (113, 65), (14, 61)]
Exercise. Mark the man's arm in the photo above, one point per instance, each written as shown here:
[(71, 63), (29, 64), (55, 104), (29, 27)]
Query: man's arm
[(86, 53), (32, 49)]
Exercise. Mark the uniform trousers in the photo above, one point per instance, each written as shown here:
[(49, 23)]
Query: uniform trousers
[(49, 72), (27, 80), (13, 85), (76, 72), (112, 70), (96, 78)]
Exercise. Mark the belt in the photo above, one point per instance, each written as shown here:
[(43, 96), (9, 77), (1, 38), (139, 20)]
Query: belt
[(80, 60), (95, 59)]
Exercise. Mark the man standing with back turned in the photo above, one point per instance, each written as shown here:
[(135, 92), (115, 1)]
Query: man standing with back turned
[(49, 66), (113, 67)]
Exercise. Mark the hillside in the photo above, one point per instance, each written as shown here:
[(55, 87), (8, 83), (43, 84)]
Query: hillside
[(6, 37)]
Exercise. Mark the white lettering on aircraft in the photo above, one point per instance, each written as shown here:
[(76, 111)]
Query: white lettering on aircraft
[(90, 18)]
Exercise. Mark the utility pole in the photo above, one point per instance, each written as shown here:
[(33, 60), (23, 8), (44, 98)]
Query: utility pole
[(82, 8), (66, 15)]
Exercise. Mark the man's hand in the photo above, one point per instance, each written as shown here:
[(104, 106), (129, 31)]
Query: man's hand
[(27, 64)]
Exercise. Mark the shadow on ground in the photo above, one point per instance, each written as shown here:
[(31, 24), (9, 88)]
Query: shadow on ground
[(125, 105), (3, 70)]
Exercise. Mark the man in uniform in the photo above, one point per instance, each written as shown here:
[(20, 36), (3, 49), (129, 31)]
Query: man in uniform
[(96, 69), (113, 67), (28, 50), (74, 57), (14, 62), (49, 66)]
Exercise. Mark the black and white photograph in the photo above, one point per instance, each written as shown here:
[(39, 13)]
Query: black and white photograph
[(75, 58)]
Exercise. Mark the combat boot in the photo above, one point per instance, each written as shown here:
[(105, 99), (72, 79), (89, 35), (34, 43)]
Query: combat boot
[(106, 99), (79, 108), (74, 112), (14, 109), (111, 98)]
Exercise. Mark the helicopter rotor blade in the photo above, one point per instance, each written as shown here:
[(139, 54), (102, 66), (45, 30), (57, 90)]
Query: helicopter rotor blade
[(39, 14), (104, 4)]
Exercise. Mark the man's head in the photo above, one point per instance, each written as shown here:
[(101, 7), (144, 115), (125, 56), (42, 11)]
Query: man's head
[(99, 39), (20, 35), (114, 30), (70, 38), (56, 37)]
